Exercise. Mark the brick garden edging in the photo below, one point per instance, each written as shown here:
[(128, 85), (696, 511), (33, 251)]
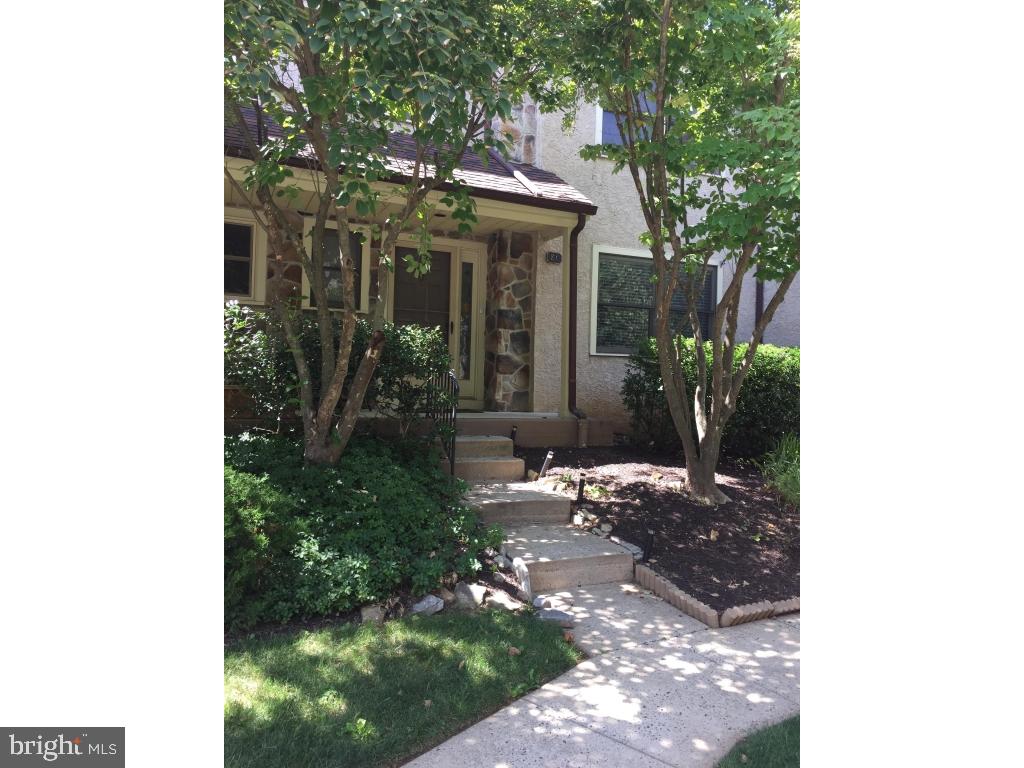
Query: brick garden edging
[(691, 606)]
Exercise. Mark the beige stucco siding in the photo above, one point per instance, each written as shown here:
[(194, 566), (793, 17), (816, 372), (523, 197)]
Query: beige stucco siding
[(547, 332), (618, 223)]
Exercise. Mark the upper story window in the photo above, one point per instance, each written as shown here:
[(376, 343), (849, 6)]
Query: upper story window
[(608, 130), (238, 259), (622, 308)]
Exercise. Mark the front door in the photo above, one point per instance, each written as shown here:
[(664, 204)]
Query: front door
[(450, 296)]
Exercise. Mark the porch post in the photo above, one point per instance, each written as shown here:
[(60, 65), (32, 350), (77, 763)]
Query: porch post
[(563, 400)]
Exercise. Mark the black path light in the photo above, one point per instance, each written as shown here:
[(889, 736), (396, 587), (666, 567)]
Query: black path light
[(649, 545), (547, 463)]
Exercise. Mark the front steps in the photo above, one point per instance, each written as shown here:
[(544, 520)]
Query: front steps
[(554, 557), (486, 459), (482, 446), (548, 553), (519, 503)]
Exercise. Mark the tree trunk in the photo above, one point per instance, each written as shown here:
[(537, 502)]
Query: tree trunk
[(327, 446), (700, 481)]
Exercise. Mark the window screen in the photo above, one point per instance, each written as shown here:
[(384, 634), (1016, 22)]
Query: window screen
[(625, 304), (238, 259), (332, 270)]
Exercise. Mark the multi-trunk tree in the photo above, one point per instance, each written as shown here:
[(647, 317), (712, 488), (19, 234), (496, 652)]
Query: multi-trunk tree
[(337, 78), (706, 98)]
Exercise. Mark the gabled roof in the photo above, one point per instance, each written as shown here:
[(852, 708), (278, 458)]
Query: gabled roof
[(498, 179)]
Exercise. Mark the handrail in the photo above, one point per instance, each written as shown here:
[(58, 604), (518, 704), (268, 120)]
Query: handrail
[(444, 410)]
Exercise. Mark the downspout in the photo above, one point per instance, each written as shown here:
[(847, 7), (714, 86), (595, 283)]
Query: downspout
[(573, 256)]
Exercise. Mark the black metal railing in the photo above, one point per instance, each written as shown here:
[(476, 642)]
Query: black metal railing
[(442, 407)]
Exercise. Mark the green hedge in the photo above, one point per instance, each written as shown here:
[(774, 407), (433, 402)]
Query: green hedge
[(769, 402), (304, 540)]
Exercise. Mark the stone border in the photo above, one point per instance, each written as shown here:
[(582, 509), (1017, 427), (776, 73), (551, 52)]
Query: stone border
[(691, 606), (674, 596)]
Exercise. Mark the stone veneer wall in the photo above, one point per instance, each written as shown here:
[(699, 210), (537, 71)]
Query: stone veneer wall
[(509, 325)]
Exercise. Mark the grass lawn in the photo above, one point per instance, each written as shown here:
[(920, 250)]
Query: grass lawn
[(367, 695), (777, 746)]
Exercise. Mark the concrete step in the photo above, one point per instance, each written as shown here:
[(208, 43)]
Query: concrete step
[(554, 557), (492, 469), (480, 446), (518, 503)]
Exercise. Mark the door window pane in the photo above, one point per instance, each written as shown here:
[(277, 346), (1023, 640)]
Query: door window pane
[(423, 300), (466, 322)]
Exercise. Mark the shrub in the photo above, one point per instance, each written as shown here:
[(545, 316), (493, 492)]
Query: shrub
[(307, 540), (781, 468), (257, 358), (769, 403)]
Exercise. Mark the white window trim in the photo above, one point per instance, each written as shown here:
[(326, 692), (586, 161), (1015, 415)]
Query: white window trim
[(364, 270), (643, 253), (258, 260)]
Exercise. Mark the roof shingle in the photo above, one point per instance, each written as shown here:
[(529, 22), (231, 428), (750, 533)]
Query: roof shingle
[(495, 179)]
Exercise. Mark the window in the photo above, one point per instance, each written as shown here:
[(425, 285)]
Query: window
[(608, 130), (622, 307), (332, 270), (238, 259)]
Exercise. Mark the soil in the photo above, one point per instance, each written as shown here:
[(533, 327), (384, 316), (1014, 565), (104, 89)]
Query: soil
[(741, 552)]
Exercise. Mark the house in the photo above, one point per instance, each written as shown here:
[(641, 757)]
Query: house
[(542, 302)]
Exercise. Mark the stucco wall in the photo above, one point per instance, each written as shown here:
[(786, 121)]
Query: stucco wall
[(619, 222), (547, 331)]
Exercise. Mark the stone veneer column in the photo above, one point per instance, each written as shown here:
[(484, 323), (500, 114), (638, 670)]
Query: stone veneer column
[(509, 324)]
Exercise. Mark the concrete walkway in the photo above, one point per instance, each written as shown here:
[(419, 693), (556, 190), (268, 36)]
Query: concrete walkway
[(659, 689)]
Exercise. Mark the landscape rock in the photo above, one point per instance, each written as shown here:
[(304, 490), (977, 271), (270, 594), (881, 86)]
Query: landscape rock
[(504, 600), (561, 618), (523, 575), (577, 519), (606, 527), (503, 562), (553, 601), (429, 605), (633, 549), (371, 613), (469, 596), (447, 595), (499, 578)]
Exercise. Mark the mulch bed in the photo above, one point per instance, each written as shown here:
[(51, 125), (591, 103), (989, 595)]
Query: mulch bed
[(737, 553)]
